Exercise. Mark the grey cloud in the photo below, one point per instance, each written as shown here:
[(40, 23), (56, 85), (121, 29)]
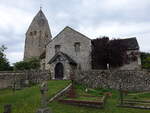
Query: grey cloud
[(94, 16)]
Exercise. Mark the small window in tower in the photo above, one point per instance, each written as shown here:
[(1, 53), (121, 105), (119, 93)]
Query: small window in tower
[(77, 46), (34, 32), (57, 48), (46, 35), (30, 33)]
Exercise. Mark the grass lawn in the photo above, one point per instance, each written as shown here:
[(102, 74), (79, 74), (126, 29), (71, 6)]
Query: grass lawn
[(83, 98), (139, 96), (135, 97), (28, 99), (111, 105), (82, 95)]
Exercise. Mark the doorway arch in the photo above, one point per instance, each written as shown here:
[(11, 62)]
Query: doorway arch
[(59, 71)]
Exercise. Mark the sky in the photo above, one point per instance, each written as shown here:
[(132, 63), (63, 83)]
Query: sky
[(93, 18)]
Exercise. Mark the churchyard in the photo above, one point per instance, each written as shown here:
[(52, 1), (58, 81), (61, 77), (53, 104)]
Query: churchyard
[(82, 96), (70, 72), (28, 100), (139, 100)]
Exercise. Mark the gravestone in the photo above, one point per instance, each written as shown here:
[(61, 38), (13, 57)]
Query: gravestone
[(44, 101), (44, 110), (72, 93), (7, 108), (16, 85), (26, 83), (121, 94)]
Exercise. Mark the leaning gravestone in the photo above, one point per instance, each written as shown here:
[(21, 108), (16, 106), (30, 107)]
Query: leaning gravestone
[(44, 101)]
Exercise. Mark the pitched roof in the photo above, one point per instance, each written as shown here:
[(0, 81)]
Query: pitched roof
[(40, 16), (71, 61), (131, 43), (67, 27), (77, 32)]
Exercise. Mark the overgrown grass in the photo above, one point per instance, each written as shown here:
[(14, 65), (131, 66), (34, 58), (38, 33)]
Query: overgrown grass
[(81, 90), (110, 108), (28, 99), (111, 105), (138, 96), (85, 94), (84, 98)]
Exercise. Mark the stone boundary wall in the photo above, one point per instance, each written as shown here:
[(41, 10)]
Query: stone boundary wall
[(131, 80), (7, 78)]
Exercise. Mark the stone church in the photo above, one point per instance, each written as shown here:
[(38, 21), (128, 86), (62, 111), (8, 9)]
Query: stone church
[(67, 52)]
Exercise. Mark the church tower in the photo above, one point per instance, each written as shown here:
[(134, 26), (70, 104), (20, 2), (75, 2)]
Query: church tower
[(37, 36)]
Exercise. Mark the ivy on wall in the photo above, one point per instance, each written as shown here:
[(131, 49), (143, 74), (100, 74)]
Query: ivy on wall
[(105, 51)]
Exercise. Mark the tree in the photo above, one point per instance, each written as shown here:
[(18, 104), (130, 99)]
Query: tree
[(32, 63), (99, 53), (4, 64), (145, 60)]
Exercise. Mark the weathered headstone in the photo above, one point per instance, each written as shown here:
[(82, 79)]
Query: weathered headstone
[(16, 85), (7, 108), (22, 83), (72, 93), (44, 110), (44, 90), (121, 94), (26, 83), (44, 101), (86, 90)]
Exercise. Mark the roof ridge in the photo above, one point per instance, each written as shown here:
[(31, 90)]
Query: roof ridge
[(72, 30)]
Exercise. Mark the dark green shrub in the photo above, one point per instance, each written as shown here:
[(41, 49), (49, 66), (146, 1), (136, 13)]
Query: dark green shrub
[(32, 63)]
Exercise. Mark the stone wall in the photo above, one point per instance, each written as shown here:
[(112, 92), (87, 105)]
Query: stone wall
[(138, 80), (132, 65), (7, 79)]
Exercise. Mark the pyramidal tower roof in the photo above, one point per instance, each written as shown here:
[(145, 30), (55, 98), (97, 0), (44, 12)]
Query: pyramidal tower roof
[(40, 16), (39, 21)]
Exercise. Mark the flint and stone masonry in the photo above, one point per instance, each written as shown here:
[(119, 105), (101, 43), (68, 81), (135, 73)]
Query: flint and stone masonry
[(68, 51)]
